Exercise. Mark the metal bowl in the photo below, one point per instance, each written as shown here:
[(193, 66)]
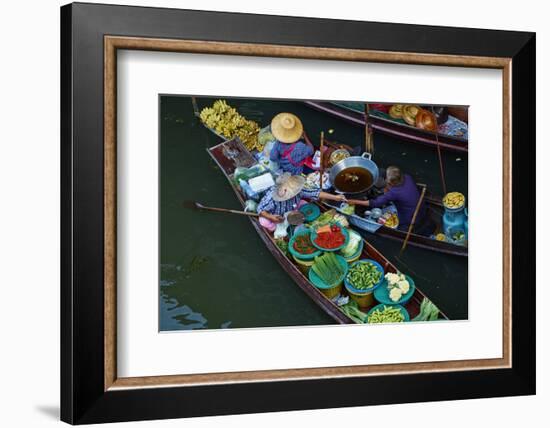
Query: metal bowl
[(364, 161), (336, 153), (376, 213)]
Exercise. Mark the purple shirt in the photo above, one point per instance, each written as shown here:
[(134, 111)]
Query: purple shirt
[(405, 197)]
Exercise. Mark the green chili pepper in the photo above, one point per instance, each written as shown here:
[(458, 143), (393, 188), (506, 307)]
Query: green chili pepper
[(363, 276), (387, 315)]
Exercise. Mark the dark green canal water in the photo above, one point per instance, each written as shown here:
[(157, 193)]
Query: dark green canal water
[(215, 271)]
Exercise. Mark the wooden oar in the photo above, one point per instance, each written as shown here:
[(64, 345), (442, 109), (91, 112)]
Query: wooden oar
[(439, 158), (295, 218), (369, 147), (225, 210), (418, 204), (195, 106)]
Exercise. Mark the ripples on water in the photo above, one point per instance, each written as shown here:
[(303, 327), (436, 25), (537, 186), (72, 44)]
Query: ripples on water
[(177, 316)]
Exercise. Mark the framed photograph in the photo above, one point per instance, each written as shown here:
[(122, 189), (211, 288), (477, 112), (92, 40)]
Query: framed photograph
[(267, 213)]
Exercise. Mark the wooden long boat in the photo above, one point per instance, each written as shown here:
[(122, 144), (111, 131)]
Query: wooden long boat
[(231, 154), (435, 211), (391, 127)]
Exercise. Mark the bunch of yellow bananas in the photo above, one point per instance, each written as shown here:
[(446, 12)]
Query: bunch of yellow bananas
[(226, 121)]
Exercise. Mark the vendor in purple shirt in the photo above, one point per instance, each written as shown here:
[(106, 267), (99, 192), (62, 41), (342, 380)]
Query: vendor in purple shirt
[(290, 151), (403, 192)]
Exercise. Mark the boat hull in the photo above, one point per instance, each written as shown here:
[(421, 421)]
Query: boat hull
[(409, 133), (230, 154), (415, 240)]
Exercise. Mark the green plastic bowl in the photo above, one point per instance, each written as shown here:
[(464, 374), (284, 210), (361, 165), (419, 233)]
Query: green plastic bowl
[(296, 253), (344, 232), (382, 294), (358, 291), (381, 306), (356, 254), (319, 283), (310, 212)]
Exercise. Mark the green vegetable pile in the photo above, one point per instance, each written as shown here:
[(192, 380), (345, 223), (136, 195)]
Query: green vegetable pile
[(242, 173), (428, 311), (353, 244), (328, 268), (282, 244), (265, 136), (324, 218), (348, 209), (458, 236), (364, 275), (351, 309), (388, 314)]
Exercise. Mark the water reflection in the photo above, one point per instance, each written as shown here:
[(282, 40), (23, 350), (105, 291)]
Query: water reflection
[(179, 317), (176, 315)]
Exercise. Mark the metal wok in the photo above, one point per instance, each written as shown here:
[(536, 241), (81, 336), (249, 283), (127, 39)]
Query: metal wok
[(363, 162)]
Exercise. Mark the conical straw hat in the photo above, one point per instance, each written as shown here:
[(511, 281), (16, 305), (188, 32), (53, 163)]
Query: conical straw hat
[(288, 186), (287, 128)]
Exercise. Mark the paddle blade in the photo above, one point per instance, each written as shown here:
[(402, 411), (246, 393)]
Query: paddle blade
[(191, 205)]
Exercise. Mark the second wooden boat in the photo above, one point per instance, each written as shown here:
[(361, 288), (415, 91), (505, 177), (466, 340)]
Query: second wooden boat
[(435, 211), (381, 123)]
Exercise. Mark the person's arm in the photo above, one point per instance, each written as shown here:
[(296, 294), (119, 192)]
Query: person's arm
[(308, 142), (331, 197), (310, 193), (272, 217), (318, 194), (265, 207), (309, 148), (382, 200)]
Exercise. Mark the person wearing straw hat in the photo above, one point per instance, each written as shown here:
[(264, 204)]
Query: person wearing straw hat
[(289, 151), (286, 195)]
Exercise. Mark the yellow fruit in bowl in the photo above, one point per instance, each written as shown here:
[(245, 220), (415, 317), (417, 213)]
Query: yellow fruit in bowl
[(454, 200)]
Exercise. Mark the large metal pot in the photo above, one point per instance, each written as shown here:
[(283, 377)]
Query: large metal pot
[(364, 162)]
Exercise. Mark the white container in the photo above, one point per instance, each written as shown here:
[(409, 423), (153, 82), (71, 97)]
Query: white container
[(261, 183)]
